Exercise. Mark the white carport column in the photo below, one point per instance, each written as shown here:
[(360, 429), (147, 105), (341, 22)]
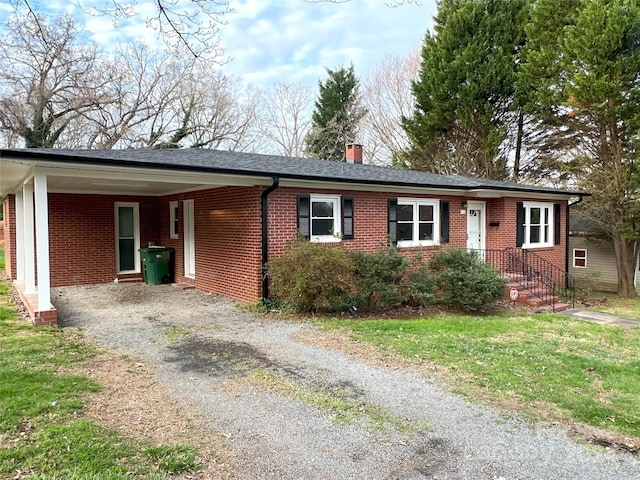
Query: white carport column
[(42, 241), (29, 239), (20, 242)]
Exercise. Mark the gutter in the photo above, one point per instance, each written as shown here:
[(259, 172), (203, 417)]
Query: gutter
[(265, 237)]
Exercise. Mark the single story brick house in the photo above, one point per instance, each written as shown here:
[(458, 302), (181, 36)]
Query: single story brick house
[(81, 216)]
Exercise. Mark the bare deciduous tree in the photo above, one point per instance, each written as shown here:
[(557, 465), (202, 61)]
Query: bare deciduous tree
[(146, 85), (387, 97), (285, 117), (190, 24), (47, 79)]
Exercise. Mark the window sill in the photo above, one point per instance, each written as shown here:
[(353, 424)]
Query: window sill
[(406, 244), (547, 246), (325, 239)]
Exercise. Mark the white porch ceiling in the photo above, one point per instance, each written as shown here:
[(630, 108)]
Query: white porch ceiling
[(91, 179)]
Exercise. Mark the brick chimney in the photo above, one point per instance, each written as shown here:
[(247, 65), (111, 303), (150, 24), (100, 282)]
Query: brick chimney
[(353, 153)]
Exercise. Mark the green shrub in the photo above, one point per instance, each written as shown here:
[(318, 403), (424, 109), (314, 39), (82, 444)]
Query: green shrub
[(312, 277), (378, 278), (420, 288), (465, 281)]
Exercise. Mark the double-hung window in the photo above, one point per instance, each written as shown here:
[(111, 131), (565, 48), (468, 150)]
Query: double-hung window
[(418, 222), (579, 258), (538, 222), (325, 218), (319, 217)]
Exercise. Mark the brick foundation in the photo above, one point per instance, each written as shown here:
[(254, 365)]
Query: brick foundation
[(40, 317)]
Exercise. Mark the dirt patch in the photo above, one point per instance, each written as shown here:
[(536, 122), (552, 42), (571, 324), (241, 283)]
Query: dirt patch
[(217, 357), (132, 402)]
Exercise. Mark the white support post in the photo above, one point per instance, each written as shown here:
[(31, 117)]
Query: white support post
[(42, 241), (20, 241), (29, 239)]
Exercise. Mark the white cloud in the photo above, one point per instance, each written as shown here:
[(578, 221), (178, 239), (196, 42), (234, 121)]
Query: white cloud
[(281, 40)]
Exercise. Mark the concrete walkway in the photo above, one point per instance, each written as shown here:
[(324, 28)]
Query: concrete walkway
[(600, 317)]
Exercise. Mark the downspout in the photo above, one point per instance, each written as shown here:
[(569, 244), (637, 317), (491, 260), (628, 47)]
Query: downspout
[(566, 237), (265, 238)]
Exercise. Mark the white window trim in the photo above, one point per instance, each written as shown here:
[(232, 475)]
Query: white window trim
[(581, 258), (527, 224), (173, 211), (337, 218), (136, 235), (415, 202)]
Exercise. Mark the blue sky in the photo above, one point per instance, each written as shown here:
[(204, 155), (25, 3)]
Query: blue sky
[(288, 40), (292, 40)]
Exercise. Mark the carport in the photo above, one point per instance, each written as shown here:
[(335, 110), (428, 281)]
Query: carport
[(29, 179)]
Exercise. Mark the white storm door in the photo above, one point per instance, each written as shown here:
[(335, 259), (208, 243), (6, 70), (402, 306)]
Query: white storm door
[(127, 237), (189, 239), (476, 226)]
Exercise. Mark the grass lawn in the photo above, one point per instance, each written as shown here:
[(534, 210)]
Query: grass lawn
[(42, 432), (550, 366), (624, 307)]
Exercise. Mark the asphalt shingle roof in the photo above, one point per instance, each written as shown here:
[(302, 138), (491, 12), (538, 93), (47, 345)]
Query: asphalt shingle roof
[(252, 164)]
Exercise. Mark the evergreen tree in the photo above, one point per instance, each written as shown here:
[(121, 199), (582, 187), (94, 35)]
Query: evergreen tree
[(582, 65), (337, 114), (466, 91)]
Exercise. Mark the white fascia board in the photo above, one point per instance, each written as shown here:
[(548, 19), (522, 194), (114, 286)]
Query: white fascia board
[(326, 185), (488, 193)]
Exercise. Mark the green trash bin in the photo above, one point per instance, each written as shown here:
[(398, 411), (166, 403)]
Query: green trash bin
[(156, 265)]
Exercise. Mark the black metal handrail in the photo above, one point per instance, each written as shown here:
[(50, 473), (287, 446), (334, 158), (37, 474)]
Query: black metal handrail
[(534, 273)]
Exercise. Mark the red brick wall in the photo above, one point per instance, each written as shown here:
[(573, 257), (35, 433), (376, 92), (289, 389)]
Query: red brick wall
[(370, 220), (228, 233), (503, 236), (9, 237), (82, 236), (227, 238)]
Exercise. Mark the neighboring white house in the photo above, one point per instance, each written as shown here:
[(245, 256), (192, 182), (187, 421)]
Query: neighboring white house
[(592, 259)]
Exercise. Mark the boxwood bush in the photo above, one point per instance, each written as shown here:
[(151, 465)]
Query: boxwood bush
[(316, 277), (465, 281), (312, 277), (378, 278)]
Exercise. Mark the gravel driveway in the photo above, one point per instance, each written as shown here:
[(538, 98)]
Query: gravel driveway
[(245, 375)]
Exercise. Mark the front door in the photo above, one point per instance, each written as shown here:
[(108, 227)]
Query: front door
[(189, 239), (475, 225)]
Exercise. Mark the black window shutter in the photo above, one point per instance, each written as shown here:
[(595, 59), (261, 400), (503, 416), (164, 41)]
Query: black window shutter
[(519, 224), (392, 209), (304, 216), (444, 222), (556, 223), (347, 219)]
